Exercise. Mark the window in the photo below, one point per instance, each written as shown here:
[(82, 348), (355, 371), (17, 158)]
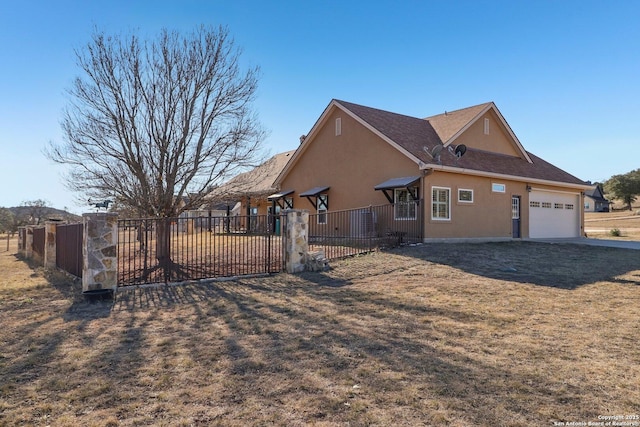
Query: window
[(322, 202), (465, 196), (558, 206), (486, 126), (404, 206), (338, 126), (569, 206), (440, 209), (498, 188), (546, 205), (534, 204)]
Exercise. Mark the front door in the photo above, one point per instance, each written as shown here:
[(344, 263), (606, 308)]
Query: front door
[(515, 217)]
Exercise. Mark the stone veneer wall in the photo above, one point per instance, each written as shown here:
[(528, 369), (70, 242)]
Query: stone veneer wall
[(50, 228), (28, 242), (22, 233), (100, 240), (296, 244)]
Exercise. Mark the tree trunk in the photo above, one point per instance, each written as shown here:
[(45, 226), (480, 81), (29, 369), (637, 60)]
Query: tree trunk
[(163, 247)]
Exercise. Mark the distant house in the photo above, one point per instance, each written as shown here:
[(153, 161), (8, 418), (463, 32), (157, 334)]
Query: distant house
[(465, 172), (594, 200)]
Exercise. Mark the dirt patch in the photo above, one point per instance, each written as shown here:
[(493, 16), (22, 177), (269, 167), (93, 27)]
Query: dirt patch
[(509, 334)]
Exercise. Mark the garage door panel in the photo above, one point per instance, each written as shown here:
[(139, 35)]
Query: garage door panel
[(553, 214)]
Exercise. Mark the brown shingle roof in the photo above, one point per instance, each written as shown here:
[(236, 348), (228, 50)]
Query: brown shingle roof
[(256, 182), (411, 133), (451, 122), (414, 134)]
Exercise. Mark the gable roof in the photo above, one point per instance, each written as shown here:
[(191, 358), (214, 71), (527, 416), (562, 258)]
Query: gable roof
[(452, 124), (414, 136), (256, 182), (596, 194)]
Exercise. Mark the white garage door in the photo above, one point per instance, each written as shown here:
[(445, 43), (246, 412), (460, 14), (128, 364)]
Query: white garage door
[(553, 214)]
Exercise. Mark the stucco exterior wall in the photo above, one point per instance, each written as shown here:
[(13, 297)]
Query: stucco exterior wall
[(497, 140), (351, 164), (489, 215)]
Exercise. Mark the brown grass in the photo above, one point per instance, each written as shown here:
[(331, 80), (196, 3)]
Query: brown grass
[(598, 225), (503, 334)]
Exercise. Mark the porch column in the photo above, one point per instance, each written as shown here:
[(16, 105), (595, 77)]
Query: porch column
[(99, 253)]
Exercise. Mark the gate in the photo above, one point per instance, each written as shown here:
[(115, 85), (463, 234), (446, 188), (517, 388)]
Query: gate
[(163, 250), (351, 232)]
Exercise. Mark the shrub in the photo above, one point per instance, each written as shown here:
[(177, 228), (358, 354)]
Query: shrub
[(615, 232)]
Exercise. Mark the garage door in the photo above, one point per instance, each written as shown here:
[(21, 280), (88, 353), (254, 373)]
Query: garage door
[(553, 214)]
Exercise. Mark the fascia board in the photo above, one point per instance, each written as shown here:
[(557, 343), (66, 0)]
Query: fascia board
[(492, 106), (451, 169), (303, 147), (381, 135)]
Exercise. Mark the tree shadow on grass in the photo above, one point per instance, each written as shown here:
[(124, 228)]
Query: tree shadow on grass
[(563, 266)]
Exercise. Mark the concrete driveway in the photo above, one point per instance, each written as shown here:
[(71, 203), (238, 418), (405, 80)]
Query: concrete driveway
[(621, 244)]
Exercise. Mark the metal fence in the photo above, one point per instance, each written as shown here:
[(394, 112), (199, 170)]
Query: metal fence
[(69, 248), (350, 232), (162, 250), (38, 241)]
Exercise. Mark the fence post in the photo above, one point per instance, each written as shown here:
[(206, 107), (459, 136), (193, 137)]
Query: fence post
[(22, 232), (99, 253), (296, 240), (28, 242), (50, 228)]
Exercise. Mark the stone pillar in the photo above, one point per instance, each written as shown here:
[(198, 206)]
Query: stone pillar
[(28, 242), (50, 245), (99, 253), (296, 240), (22, 232)]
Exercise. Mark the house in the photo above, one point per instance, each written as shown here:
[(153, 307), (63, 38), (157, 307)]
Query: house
[(463, 173), (252, 188), (594, 200)]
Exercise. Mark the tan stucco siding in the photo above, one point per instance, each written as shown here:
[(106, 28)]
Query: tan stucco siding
[(497, 140), (489, 215), (351, 164)]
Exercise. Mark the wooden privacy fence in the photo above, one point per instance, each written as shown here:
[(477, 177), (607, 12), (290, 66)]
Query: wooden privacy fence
[(350, 232), (69, 248), (162, 250), (38, 241)]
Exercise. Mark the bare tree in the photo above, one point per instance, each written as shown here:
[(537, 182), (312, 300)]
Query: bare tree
[(157, 124), (36, 210)]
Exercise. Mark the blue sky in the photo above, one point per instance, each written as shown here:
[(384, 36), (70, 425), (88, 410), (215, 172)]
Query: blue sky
[(565, 74)]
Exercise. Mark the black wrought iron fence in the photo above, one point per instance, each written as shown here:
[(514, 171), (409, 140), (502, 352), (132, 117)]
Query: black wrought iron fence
[(162, 250), (69, 248), (350, 232)]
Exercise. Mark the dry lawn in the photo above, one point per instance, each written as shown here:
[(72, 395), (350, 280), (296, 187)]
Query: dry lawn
[(598, 225), (503, 334)]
